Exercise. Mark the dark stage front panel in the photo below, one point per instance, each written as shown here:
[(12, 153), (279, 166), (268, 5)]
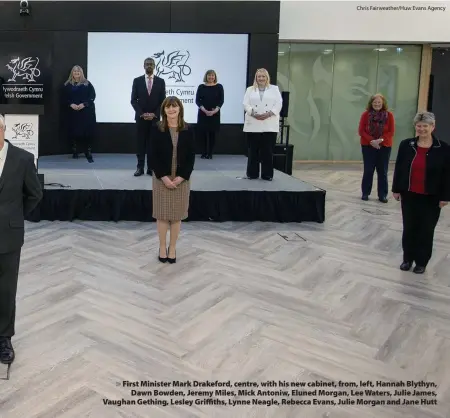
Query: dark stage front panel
[(208, 206), (108, 191)]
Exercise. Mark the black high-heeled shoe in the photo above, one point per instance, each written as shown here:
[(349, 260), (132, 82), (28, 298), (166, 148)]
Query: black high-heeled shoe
[(171, 260), (162, 259)]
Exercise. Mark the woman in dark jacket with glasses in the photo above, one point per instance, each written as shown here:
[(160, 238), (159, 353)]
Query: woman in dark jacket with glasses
[(422, 183)]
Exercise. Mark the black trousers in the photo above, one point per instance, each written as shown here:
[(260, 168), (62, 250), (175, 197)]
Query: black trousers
[(81, 143), (144, 128), (208, 141), (260, 150), (375, 159), (420, 217), (9, 273)]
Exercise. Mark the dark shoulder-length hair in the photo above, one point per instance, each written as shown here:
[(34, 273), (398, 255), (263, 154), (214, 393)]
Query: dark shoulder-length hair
[(372, 98), (175, 102), (205, 78)]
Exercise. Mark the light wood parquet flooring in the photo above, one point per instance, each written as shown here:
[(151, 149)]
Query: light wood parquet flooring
[(245, 302)]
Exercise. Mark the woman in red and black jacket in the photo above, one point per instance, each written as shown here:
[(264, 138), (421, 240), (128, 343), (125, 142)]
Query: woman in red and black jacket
[(376, 129), (422, 183)]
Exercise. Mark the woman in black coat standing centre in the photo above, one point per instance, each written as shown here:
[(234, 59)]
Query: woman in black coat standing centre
[(78, 98), (209, 99)]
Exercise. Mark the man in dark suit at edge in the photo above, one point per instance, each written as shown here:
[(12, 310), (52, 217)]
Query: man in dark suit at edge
[(2, 93), (20, 193), (147, 95)]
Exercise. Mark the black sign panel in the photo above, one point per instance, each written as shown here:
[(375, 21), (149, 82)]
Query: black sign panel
[(24, 73)]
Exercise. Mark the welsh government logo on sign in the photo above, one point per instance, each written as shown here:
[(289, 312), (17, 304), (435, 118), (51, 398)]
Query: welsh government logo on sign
[(25, 69), (173, 64), (22, 131), (23, 81)]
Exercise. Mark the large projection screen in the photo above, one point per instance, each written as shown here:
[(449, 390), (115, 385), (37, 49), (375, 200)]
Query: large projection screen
[(115, 59)]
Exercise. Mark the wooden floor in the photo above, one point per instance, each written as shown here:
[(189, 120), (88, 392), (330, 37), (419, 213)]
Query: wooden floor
[(244, 303)]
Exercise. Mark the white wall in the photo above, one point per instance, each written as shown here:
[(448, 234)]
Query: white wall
[(345, 21)]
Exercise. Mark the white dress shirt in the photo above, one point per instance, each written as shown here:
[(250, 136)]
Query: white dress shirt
[(3, 153)]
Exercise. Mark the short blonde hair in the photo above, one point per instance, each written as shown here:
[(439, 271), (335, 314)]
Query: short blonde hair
[(2, 122), (262, 71), (205, 78)]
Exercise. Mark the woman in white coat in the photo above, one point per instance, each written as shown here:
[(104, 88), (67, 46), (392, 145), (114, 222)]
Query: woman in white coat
[(262, 104)]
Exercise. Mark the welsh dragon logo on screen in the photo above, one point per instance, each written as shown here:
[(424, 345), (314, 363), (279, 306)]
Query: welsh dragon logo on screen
[(173, 64)]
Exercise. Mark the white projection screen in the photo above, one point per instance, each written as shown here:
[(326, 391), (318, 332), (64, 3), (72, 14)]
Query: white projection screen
[(115, 59)]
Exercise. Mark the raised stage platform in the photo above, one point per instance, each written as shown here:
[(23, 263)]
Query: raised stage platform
[(107, 191)]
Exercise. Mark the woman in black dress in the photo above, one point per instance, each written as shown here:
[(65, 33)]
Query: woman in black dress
[(78, 98), (209, 100)]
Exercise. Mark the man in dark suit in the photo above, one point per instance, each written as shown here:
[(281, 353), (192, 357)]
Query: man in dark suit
[(20, 193), (2, 93), (147, 95)]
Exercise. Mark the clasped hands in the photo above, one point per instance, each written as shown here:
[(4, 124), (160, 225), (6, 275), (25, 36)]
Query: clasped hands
[(210, 112), (148, 116), (397, 197), (77, 107), (376, 143), (264, 116), (172, 184)]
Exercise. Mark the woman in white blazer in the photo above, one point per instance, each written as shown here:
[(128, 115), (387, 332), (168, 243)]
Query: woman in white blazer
[(262, 104)]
